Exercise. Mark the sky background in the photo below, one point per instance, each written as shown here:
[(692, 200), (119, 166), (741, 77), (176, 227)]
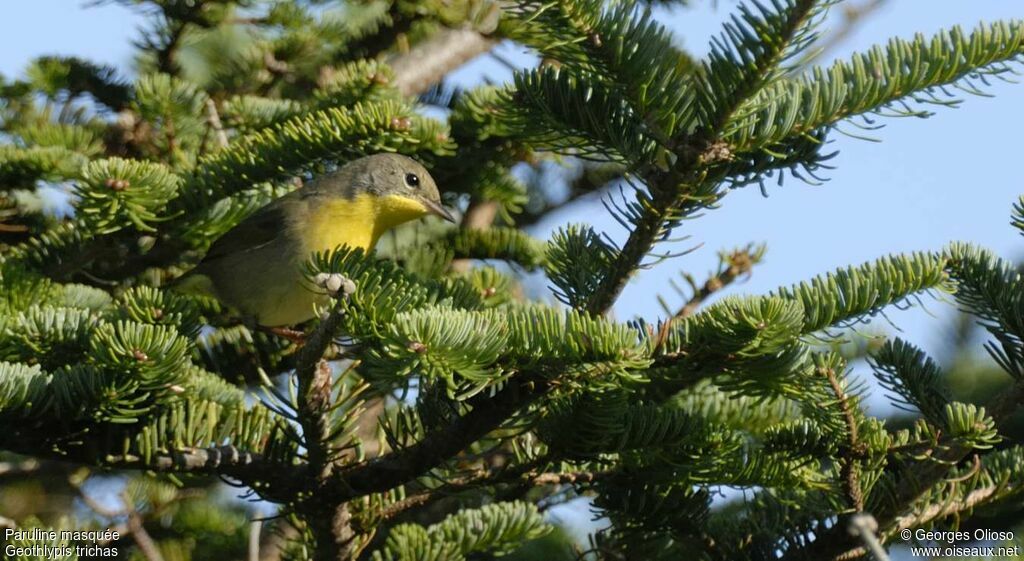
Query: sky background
[(951, 177)]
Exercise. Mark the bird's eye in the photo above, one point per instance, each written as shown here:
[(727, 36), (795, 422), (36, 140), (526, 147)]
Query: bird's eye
[(412, 180)]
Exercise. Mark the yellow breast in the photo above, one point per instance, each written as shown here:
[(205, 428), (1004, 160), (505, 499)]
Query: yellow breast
[(357, 222)]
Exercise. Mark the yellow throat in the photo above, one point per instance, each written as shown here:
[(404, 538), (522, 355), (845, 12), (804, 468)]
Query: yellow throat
[(357, 222)]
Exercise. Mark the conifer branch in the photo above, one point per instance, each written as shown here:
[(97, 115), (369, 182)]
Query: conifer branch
[(888, 81), (514, 399), (331, 521), (314, 377), (229, 459), (917, 480), (849, 457), (683, 188), (739, 262), (404, 465), (763, 47), (639, 243), (938, 511)]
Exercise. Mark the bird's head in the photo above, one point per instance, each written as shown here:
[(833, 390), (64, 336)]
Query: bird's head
[(402, 189)]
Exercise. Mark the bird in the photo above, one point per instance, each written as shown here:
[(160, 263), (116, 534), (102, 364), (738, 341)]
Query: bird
[(256, 268)]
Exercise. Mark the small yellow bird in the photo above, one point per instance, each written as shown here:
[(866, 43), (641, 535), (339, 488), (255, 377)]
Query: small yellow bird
[(256, 267)]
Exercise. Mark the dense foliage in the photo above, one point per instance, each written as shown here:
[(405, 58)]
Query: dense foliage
[(433, 413)]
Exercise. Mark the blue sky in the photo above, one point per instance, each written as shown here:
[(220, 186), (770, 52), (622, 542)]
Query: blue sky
[(951, 177)]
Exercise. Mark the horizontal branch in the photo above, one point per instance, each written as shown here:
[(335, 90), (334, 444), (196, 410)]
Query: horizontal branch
[(939, 511), (401, 466), (275, 482)]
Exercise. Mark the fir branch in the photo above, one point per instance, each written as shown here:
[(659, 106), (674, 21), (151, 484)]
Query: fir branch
[(78, 76), (275, 481), (990, 288), (990, 478), (658, 209), (499, 528), (571, 112), (848, 294), (117, 193), (938, 511), (885, 81), (289, 148), (748, 56), (401, 466), (622, 45), (23, 166), (314, 377), (849, 456), (680, 191), (914, 376), (917, 483), (1018, 215), (80, 139), (731, 266), (745, 343)]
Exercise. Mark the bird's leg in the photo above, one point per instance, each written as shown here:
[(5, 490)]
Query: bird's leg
[(293, 335), (336, 286)]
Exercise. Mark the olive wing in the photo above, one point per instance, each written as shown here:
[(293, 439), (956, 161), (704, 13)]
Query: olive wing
[(257, 230)]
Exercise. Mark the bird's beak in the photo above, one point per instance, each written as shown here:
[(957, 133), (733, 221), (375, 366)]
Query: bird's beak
[(437, 209)]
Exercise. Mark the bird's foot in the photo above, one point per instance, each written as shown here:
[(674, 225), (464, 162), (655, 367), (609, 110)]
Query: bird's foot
[(336, 285), (293, 335)]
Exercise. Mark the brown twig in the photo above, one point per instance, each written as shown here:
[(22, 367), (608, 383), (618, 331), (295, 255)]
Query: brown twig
[(399, 467), (134, 520), (850, 456), (213, 117), (428, 62), (253, 547), (139, 534), (738, 263), (329, 520), (732, 266)]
